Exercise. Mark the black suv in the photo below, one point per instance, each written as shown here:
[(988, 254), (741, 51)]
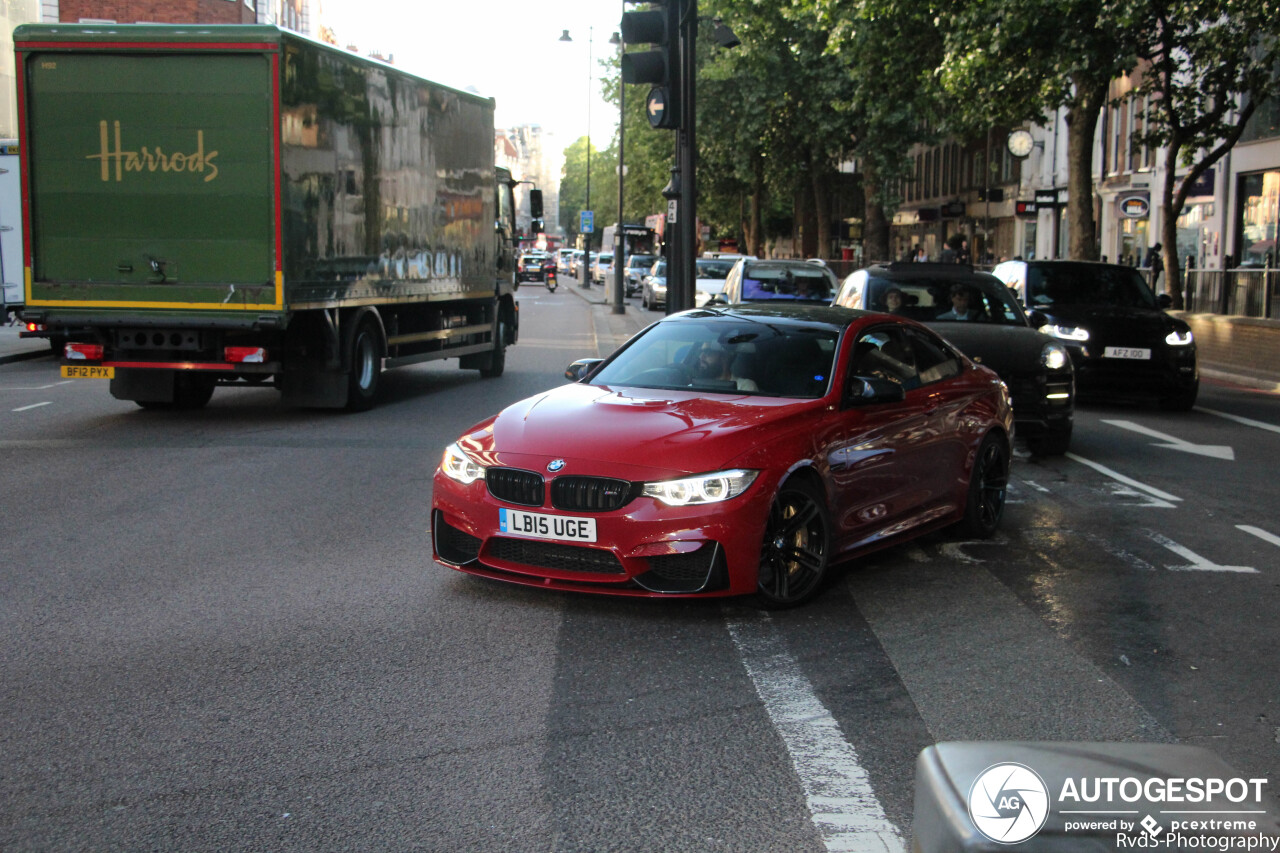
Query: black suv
[(1122, 342), (978, 314)]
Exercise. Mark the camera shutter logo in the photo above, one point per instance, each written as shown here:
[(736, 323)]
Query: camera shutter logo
[(1008, 803)]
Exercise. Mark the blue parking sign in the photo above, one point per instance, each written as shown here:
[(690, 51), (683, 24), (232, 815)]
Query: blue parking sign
[(587, 223)]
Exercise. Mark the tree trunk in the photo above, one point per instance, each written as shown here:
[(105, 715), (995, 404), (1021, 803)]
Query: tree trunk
[(1082, 121), (821, 211), (875, 225), (755, 228), (1169, 226)]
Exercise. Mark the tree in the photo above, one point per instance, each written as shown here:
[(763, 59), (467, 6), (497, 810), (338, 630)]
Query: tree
[(1012, 61), (1209, 63), (573, 188)]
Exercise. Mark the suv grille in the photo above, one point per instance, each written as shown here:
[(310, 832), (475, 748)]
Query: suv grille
[(515, 486), (590, 494)]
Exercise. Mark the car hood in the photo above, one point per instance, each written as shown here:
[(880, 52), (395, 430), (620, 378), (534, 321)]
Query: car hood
[(1008, 350), (632, 433)]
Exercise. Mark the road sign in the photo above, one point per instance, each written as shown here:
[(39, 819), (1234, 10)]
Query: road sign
[(587, 222), (655, 106)]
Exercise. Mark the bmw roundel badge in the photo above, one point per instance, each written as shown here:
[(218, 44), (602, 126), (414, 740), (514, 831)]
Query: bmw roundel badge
[(555, 465)]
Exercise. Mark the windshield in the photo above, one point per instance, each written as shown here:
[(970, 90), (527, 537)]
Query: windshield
[(714, 269), (727, 355), (1087, 284), (798, 282), (640, 261), (984, 299)]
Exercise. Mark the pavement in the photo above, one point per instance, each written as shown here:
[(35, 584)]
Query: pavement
[(613, 329)]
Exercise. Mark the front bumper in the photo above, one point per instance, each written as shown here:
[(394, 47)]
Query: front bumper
[(644, 549)]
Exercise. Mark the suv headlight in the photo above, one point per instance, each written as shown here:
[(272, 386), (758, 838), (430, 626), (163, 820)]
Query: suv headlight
[(1054, 357), (1178, 339), (457, 465), (703, 489), (1066, 333)]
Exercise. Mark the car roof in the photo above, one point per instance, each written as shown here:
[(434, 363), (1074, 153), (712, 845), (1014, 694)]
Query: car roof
[(907, 271), (787, 313)]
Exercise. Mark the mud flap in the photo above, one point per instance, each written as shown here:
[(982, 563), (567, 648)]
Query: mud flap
[(144, 386), (313, 389)]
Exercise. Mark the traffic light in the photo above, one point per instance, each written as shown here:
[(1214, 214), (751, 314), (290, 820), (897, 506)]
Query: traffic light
[(660, 27)]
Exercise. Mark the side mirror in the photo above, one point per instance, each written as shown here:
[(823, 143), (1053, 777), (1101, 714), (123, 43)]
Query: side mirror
[(581, 369), (535, 204), (1165, 301), (718, 299), (866, 391)]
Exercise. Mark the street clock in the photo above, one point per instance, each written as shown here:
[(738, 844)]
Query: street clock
[(1020, 143)]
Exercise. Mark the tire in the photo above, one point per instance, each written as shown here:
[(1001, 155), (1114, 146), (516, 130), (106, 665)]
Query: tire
[(1052, 442), (364, 365), (1181, 401), (988, 485), (796, 549), (497, 358)]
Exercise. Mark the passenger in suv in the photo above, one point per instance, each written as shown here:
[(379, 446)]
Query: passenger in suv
[(978, 314), (1121, 340)]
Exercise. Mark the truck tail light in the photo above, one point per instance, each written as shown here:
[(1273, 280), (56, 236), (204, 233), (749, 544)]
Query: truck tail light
[(35, 327), (245, 355), (83, 352)]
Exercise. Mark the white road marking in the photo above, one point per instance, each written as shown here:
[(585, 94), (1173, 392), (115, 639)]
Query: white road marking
[(38, 387), (1260, 533), (1198, 563), (1039, 488), (32, 406), (1129, 481), (1216, 451), (1246, 421), (843, 805)]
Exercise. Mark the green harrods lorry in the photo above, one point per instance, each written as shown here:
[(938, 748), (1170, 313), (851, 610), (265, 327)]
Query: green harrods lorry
[(221, 205)]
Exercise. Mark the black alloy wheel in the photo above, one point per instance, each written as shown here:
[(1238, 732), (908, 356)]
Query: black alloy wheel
[(988, 485), (796, 548)]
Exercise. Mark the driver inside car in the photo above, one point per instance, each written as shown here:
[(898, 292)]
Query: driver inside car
[(714, 362)]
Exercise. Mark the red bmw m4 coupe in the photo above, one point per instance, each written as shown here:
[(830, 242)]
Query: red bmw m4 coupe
[(729, 451)]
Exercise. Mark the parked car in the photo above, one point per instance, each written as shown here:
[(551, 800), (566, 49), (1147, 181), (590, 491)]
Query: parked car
[(753, 280), (637, 266), (1122, 342), (1035, 366), (729, 451), (653, 287), (531, 267), (602, 269), (711, 276)]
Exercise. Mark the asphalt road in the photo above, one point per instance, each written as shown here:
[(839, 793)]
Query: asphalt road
[(222, 630)]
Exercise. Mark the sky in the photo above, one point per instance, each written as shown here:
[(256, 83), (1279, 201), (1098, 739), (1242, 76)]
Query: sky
[(506, 49)]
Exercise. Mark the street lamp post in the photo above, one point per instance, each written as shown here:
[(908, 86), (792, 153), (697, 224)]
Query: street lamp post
[(586, 237)]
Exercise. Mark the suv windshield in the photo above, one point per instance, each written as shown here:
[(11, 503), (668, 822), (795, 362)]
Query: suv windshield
[(801, 282), (1087, 284)]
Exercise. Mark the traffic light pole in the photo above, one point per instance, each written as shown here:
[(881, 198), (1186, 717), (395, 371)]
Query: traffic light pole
[(687, 155)]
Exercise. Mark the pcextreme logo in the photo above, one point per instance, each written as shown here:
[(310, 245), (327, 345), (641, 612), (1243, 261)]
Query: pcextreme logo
[(1008, 803)]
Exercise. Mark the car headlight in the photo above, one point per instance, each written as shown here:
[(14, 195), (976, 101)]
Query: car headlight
[(457, 465), (1066, 333), (1178, 339), (1054, 357), (703, 489)]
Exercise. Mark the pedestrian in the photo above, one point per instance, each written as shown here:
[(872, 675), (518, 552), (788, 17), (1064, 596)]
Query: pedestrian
[(921, 255), (1155, 263), (962, 253)]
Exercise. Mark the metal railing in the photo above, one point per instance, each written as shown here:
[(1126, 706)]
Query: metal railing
[(1243, 291)]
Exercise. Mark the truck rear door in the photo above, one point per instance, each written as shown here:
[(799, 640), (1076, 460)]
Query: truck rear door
[(151, 169)]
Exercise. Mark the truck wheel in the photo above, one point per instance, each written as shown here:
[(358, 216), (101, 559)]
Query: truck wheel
[(365, 366), (497, 358)]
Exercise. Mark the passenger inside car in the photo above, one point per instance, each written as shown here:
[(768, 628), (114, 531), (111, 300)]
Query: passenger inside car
[(960, 307)]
